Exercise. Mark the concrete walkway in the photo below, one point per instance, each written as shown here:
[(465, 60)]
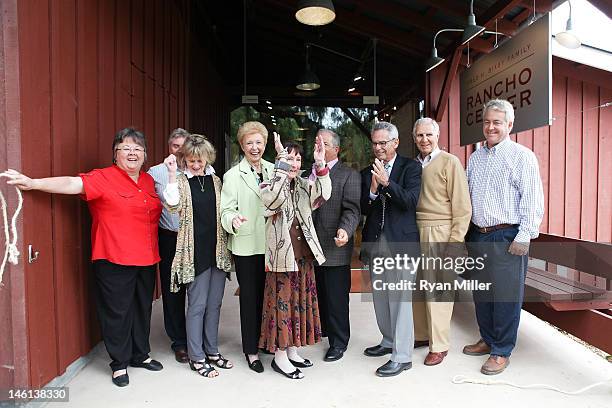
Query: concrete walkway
[(543, 355)]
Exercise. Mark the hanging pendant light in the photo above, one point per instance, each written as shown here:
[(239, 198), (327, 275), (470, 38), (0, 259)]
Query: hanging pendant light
[(472, 29), (308, 80), (568, 38), (433, 61), (315, 12)]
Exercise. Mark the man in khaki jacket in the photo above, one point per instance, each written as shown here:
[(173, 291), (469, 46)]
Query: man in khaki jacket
[(443, 218)]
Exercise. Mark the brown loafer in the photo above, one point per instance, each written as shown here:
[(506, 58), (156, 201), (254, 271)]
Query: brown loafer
[(434, 358), (479, 349), (181, 356), (495, 365)]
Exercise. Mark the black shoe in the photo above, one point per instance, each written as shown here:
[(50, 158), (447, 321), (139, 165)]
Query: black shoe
[(377, 351), (296, 375), (304, 364), (334, 354), (421, 343), (255, 365), (391, 368), (152, 365), (181, 356), (121, 380)]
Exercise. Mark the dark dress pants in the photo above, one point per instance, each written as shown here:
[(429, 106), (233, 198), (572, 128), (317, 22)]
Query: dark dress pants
[(124, 297), (333, 288), (498, 310), (174, 303), (251, 274)]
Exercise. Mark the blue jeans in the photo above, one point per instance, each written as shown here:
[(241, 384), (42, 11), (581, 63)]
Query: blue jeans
[(498, 310)]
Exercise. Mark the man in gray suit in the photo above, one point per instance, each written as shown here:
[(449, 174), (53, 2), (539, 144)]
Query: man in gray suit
[(335, 223)]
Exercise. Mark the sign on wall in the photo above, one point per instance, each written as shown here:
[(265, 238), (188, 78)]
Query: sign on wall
[(520, 71)]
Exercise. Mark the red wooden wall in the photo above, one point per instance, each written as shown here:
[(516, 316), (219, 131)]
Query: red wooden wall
[(79, 71), (574, 153)]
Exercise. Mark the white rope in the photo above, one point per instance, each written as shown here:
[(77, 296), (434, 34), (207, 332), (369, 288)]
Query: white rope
[(462, 379), (11, 253)]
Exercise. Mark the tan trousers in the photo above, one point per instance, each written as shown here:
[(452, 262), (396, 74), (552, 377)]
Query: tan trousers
[(432, 318)]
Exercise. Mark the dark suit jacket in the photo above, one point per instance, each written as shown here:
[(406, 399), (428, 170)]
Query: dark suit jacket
[(402, 196), (340, 211)]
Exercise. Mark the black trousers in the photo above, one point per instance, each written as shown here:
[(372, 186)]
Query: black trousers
[(251, 274), (174, 302), (333, 288), (124, 296)]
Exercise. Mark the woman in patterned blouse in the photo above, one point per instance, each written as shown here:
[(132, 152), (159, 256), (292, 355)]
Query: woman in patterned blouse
[(290, 317)]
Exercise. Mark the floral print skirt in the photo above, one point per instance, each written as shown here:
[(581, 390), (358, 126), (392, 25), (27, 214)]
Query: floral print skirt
[(290, 311)]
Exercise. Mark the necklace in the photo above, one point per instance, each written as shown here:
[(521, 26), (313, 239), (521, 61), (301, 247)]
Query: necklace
[(201, 183)]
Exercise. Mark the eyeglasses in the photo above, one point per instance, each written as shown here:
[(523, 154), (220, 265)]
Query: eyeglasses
[(382, 144), (129, 149)]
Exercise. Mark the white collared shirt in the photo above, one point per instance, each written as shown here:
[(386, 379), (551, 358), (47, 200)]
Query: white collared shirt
[(171, 192), (429, 158)]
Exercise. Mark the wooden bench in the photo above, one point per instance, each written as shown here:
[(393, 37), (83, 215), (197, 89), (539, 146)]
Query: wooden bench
[(561, 293), (588, 267), (579, 302)]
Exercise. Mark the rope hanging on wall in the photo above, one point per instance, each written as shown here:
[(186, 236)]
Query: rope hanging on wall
[(11, 253)]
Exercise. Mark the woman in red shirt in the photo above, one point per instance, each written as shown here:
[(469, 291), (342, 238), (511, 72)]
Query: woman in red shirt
[(125, 211)]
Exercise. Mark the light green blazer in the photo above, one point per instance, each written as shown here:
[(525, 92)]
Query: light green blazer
[(240, 195)]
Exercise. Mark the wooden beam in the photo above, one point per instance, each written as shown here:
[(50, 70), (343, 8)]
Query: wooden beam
[(604, 6), (522, 16), (393, 37), (448, 83), (401, 14), (504, 26), (540, 6), (451, 7), (481, 45)]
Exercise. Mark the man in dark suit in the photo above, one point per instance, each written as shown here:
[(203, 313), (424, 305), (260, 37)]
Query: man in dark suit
[(389, 195), (335, 223)]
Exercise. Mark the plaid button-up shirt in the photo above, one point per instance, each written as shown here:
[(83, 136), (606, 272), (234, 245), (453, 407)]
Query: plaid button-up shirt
[(505, 188)]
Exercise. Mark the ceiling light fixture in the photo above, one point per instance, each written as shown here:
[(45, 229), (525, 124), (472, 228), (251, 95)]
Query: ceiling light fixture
[(315, 12), (309, 80)]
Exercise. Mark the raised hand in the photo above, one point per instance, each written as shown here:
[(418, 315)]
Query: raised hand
[(15, 178), (319, 152), (170, 163), (277, 144), (238, 220)]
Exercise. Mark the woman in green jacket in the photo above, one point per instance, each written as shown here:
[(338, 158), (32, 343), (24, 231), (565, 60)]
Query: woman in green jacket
[(242, 217)]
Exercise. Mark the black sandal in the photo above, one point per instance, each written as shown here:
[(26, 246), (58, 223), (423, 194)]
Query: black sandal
[(205, 369), (220, 361)]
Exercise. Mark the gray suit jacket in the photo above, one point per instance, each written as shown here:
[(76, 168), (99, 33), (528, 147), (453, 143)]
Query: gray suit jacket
[(340, 211)]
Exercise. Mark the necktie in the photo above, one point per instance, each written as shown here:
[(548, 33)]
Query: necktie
[(383, 199)]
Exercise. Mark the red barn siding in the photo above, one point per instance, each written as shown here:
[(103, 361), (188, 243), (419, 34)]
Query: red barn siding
[(574, 152), (83, 69)]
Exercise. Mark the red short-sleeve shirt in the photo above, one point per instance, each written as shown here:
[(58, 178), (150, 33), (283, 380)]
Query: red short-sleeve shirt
[(124, 215)]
